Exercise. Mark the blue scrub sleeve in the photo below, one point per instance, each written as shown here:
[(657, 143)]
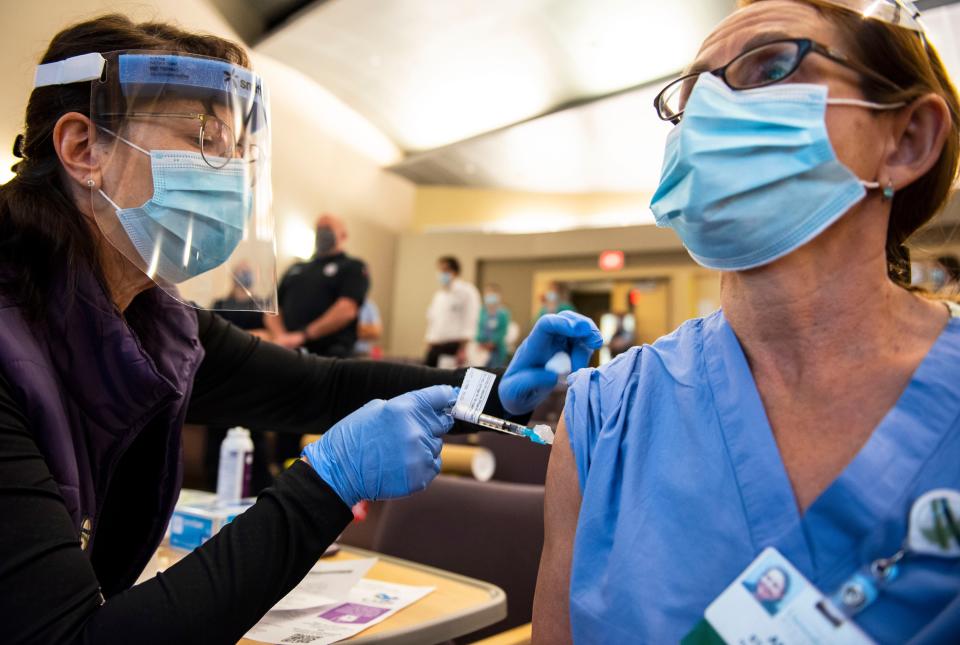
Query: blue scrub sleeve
[(594, 400), (582, 417)]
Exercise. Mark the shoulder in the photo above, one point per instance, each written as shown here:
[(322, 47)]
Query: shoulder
[(354, 263), (466, 288), (670, 357), (608, 400), (295, 270)]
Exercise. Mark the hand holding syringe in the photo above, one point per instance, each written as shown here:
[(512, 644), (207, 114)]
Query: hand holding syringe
[(473, 397)]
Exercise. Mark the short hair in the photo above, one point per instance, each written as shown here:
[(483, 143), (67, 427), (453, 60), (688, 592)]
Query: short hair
[(452, 263)]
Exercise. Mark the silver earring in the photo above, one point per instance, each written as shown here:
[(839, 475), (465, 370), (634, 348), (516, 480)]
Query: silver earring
[(888, 191), (90, 183)]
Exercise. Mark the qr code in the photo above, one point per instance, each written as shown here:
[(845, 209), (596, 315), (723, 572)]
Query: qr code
[(300, 638)]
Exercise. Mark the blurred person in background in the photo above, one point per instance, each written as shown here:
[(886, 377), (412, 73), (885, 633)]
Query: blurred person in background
[(554, 300), (319, 303), (320, 299), (493, 326), (239, 306), (451, 317), (945, 275), (369, 331)]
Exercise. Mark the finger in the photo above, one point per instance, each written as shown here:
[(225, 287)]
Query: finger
[(580, 356), (437, 397), (535, 378), (435, 445), (572, 327), (437, 463), (584, 329), (439, 423)]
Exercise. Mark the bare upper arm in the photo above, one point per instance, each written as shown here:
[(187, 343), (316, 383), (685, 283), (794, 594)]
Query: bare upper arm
[(551, 604)]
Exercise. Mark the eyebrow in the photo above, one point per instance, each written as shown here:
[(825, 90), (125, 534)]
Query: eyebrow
[(756, 41)]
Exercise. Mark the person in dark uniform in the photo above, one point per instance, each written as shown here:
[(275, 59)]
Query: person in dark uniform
[(320, 299), (319, 305)]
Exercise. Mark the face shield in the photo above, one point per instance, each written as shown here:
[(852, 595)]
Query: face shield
[(183, 145)]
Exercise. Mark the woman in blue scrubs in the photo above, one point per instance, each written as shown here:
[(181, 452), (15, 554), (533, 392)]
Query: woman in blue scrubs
[(811, 139)]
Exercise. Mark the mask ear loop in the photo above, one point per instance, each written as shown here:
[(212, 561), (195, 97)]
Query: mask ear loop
[(129, 143)]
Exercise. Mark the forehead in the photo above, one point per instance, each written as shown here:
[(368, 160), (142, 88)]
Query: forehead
[(783, 18)]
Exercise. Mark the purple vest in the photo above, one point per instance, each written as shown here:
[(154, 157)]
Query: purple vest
[(89, 386)]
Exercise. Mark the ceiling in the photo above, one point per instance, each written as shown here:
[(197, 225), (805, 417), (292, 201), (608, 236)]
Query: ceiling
[(533, 95)]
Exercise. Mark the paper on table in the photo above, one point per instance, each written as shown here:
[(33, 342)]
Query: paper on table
[(370, 602), (325, 584)]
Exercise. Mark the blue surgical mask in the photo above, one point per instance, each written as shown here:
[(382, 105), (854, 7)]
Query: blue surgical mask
[(326, 241), (244, 278), (195, 218), (938, 277), (749, 176), (491, 299), (444, 278)]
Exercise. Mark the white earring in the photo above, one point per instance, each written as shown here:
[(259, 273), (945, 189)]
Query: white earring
[(90, 182)]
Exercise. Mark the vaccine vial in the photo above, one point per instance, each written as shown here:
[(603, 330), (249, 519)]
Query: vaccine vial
[(236, 461)]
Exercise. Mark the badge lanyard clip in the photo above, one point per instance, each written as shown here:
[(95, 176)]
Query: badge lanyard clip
[(933, 530)]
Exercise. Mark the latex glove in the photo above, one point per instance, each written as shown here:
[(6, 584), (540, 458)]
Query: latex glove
[(386, 448), (526, 383)]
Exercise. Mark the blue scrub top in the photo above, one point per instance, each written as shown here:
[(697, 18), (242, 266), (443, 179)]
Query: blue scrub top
[(683, 486)]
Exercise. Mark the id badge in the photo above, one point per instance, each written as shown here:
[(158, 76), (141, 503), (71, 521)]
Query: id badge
[(772, 603)]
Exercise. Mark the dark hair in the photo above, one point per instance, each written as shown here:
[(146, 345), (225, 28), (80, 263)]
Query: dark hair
[(42, 233), (451, 263), (901, 56)]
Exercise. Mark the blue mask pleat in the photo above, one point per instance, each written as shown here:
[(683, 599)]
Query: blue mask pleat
[(188, 193), (750, 176)]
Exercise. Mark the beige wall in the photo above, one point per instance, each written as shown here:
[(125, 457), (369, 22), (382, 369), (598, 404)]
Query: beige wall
[(445, 208), (325, 157)]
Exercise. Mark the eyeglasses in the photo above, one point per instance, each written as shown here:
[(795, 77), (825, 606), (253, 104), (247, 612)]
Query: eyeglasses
[(212, 135), (763, 65)]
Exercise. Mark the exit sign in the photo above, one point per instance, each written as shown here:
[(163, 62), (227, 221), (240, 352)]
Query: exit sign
[(611, 260)]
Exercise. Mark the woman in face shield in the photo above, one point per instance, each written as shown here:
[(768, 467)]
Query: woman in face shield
[(820, 407), (144, 165)]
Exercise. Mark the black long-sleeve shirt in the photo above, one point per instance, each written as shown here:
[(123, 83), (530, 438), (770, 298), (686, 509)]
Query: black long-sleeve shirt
[(50, 590)]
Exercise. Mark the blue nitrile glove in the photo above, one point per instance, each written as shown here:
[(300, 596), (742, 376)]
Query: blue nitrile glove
[(386, 448), (526, 383)]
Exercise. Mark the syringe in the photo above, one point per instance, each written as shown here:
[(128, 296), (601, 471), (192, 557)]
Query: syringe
[(541, 433), (502, 425)]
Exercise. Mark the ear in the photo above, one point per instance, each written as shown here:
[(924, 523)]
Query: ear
[(73, 138), (920, 130)]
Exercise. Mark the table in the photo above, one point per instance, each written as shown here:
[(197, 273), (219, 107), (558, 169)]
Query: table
[(458, 605)]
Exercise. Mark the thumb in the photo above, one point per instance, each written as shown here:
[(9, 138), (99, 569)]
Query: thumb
[(580, 357), (437, 397), (536, 378)]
